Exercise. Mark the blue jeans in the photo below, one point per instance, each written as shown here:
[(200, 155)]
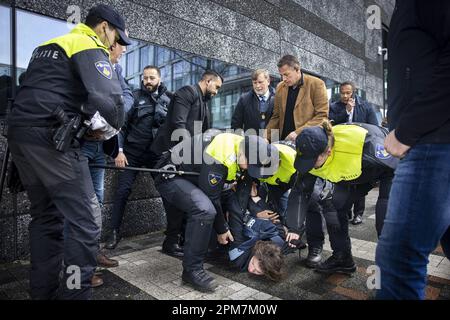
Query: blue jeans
[(93, 150), (418, 217)]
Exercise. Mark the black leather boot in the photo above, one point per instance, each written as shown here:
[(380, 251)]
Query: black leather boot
[(198, 233), (338, 263), (172, 248), (113, 240), (199, 280), (314, 257)]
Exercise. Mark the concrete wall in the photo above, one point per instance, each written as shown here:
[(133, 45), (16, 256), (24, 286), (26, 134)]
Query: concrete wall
[(330, 38)]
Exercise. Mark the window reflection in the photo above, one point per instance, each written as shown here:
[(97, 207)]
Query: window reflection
[(5, 59)]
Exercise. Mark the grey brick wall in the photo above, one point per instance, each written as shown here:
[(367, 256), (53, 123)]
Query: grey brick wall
[(330, 38)]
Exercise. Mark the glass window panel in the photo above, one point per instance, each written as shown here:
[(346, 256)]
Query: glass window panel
[(146, 56), (133, 63), (163, 56), (166, 76), (30, 35), (5, 59)]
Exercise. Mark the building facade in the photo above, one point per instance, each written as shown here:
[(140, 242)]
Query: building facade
[(336, 40)]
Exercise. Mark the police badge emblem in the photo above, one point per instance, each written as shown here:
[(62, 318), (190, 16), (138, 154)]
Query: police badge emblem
[(104, 68)]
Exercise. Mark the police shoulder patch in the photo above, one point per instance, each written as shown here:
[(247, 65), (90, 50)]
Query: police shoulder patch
[(104, 67), (214, 179), (381, 153)]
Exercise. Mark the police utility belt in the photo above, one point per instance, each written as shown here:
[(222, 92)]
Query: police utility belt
[(69, 130)]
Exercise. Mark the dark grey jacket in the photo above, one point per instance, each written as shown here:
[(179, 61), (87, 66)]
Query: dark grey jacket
[(247, 115), (143, 120), (363, 112)]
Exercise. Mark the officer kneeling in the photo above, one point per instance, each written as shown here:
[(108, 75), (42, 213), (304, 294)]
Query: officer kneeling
[(221, 159)]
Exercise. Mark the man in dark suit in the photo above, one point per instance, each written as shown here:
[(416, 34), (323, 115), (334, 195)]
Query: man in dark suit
[(188, 110), (352, 108), (188, 106), (254, 108)]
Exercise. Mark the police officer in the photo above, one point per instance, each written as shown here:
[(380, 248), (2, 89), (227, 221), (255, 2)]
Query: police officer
[(281, 182), (352, 158), (68, 80), (217, 161), (143, 120)]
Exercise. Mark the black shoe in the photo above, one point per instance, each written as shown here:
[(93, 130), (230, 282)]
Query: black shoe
[(199, 280), (337, 263), (172, 249), (357, 220), (113, 240), (314, 257)]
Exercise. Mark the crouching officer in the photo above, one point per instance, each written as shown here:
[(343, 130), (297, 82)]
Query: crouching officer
[(68, 80), (353, 159), (217, 160)]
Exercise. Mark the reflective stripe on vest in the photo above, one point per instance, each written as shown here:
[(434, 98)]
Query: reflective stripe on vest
[(79, 39), (224, 148), (286, 168), (345, 161)]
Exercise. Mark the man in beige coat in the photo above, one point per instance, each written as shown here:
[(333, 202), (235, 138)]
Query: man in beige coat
[(300, 101)]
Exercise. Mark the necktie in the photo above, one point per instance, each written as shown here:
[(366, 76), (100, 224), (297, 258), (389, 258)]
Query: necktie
[(262, 107)]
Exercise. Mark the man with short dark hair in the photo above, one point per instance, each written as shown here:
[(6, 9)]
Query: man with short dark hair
[(143, 120), (300, 101), (188, 111), (69, 79), (352, 108)]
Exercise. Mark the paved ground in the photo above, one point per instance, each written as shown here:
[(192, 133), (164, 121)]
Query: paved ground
[(145, 273)]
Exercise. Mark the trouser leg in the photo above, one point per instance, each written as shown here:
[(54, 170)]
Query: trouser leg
[(418, 217), (359, 206), (314, 227), (124, 187), (67, 181), (174, 222), (200, 213), (382, 203), (46, 233)]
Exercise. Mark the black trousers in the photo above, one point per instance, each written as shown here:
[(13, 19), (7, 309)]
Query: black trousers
[(182, 197), (359, 205), (125, 185), (65, 212), (343, 198)]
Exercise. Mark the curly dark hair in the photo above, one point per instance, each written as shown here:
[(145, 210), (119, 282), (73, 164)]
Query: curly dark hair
[(270, 258)]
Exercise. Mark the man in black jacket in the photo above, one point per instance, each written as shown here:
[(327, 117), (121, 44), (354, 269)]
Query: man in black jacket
[(352, 108), (254, 108), (188, 108), (419, 117), (188, 115), (143, 120), (68, 80)]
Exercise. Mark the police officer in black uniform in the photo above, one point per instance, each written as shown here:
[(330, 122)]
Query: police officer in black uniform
[(68, 80), (148, 113), (218, 160)]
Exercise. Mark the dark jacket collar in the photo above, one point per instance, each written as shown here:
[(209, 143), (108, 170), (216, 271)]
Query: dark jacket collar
[(161, 90)]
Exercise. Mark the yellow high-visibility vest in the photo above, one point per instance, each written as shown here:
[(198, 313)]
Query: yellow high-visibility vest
[(80, 38), (345, 161), (286, 166), (224, 148)]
